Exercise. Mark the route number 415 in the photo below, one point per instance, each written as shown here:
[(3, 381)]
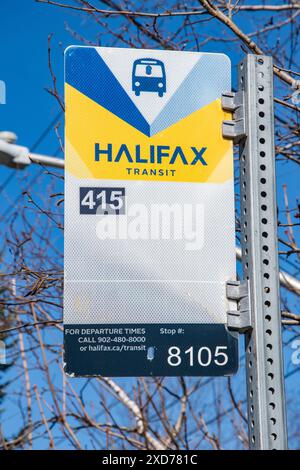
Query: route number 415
[(102, 201)]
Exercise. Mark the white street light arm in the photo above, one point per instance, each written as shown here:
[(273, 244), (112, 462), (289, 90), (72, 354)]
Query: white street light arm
[(13, 156), (47, 161), (17, 156)]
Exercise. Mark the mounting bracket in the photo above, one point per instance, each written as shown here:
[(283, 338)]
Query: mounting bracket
[(239, 319), (236, 128)]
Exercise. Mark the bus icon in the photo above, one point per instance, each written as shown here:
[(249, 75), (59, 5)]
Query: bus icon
[(148, 75)]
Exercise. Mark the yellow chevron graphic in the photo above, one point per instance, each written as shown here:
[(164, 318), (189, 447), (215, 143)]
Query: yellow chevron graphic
[(88, 124)]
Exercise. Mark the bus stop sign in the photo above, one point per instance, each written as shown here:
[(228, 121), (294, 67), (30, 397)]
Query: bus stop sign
[(149, 214)]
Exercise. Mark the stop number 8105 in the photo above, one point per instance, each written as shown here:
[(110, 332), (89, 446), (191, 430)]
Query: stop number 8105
[(204, 356)]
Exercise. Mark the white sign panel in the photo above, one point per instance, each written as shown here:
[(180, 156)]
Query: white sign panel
[(149, 214)]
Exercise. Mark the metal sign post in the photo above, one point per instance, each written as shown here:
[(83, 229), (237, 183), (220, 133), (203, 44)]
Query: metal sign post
[(253, 129)]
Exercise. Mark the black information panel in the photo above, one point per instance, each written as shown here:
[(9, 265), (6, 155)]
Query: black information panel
[(150, 350)]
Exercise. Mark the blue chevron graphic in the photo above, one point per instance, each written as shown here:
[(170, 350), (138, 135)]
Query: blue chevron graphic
[(87, 72)]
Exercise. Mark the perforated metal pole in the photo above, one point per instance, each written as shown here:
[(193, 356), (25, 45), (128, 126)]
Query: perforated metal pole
[(264, 362)]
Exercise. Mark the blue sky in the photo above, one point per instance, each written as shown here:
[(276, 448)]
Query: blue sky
[(24, 29)]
